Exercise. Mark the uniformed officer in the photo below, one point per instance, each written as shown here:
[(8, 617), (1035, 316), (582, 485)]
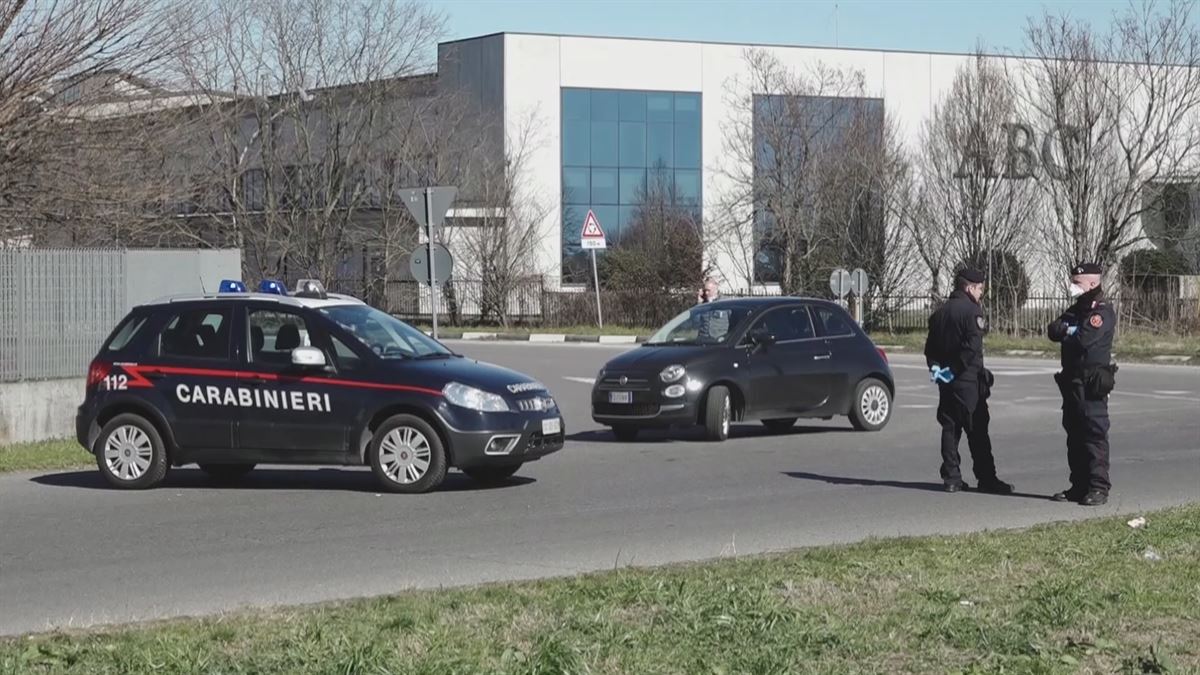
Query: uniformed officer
[(954, 355), (1085, 332)]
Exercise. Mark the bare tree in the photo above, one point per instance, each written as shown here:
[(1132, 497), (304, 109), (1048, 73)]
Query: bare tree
[(1121, 109), (976, 203)]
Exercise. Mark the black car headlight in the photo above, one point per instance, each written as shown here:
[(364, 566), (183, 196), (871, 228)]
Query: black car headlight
[(672, 373)]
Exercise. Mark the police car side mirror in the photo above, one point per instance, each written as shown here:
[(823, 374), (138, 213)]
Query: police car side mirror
[(308, 357)]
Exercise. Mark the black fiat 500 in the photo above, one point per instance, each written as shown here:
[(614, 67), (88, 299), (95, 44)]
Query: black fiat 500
[(231, 380), (769, 359)]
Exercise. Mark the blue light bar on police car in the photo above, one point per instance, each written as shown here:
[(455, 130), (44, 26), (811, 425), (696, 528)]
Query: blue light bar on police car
[(232, 286), (272, 286)]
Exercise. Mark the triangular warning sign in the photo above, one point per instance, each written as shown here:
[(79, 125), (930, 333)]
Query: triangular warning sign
[(591, 227)]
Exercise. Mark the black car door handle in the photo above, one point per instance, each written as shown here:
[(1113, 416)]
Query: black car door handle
[(822, 357)]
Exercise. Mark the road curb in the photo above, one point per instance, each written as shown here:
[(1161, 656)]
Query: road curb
[(540, 338)]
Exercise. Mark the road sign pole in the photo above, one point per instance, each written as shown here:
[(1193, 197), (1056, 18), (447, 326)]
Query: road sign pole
[(596, 279), (433, 290)]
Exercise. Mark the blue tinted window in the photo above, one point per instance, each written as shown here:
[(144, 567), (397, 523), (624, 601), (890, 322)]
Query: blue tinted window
[(660, 182), (576, 142), (628, 216), (604, 186), (687, 187), (607, 215), (604, 143), (572, 223), (660, 108), (633, 106), (576, 104), (605, 105), (687, 108), (660, 143), (687, 145), (633, 144), (576, 186), (633, 185)]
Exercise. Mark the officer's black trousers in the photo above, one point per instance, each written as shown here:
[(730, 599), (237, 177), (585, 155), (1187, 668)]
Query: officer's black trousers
[(1086, 423), (962, 406)]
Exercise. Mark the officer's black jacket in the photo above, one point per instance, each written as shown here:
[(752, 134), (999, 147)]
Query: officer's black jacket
[(1091, 346), (955, 338)]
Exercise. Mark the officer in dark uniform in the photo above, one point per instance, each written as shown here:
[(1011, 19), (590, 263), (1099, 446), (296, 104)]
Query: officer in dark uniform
[(954, 354), (1088, 375)]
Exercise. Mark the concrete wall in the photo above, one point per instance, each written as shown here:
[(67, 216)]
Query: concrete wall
[(36, 411)]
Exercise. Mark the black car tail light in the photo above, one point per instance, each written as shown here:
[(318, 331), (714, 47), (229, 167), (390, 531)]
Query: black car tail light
[(882, 354)]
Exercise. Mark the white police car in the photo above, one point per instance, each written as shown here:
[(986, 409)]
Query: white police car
[(234, 379)]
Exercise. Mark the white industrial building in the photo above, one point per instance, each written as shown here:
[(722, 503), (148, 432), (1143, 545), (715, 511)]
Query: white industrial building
[(653, 100)]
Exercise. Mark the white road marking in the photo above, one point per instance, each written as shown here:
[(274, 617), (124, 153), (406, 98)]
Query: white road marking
[(1172, 392), (1157, 397), (581, 380), (997, 370), (918, 406)]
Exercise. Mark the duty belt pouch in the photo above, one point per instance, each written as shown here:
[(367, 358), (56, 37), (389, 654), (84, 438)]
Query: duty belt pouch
[(1099, 382)]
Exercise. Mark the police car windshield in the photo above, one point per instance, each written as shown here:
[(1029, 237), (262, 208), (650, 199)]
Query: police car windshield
[(700, 325), (384, 334)]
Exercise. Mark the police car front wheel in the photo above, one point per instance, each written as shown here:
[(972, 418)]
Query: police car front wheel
[(407, 456), (130, 453)]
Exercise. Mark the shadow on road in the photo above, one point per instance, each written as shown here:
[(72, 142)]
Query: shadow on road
[(326, 480), (907, 485), (694, 435)]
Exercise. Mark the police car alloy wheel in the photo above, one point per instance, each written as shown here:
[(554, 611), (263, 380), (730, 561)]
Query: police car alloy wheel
[(406, 455), (872, 405), (130, 453), (718, 413)]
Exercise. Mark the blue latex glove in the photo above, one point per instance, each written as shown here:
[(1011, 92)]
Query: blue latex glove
[(1071, 330), (937, 374)]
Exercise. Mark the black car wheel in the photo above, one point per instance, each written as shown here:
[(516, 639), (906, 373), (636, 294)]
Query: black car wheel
[(872, 405), (406, 455), (223, 472), (625, 434), (492, 475), (718, 413), (131, 453), (779, 426)]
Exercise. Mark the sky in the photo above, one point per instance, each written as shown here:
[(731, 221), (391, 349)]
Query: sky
[(917, 25)]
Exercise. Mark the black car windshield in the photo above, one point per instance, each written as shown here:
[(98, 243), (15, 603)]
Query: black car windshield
[(384, 334), (701, 325)]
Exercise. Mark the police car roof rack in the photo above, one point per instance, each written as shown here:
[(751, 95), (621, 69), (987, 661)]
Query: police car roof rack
[(310, 288)]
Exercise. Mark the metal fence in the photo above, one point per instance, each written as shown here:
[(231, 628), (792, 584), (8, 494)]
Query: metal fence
[(533, 302), (56, 306)]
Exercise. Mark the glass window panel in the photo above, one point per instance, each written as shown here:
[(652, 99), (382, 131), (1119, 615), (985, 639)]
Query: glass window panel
[(687, 108), (604, 186), (605, 105), (633, 185), (628, 216), (576, 104), (687, 146), (633, 106), (576, 141), (575, 186), (633, 144), (604, 144), (687, 187), (607, 215), (659, 182), (572, 224), (660, 108), (660, 145)]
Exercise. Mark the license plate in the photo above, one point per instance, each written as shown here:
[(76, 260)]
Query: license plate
[(620, 397), (551, 427)]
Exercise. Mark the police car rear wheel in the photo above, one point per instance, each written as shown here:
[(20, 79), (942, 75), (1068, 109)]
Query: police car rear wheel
[(872, 407), (718, 414), (406, 455), (131, 454), (226, 471), (492, 475)]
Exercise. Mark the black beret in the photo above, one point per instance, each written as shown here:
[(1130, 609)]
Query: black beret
[(972, 275), (1087, 268)]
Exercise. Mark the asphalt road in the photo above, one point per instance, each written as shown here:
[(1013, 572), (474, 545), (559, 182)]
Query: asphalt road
[(73, 553)]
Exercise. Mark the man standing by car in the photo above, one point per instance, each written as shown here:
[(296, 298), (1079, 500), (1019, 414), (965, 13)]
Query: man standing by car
[(713, 325), (954, 355), (1088, 375)]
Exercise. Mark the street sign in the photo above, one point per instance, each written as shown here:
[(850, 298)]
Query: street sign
[(839, 283), (593, 236), (859, 284), (443, 264), (440, 199)]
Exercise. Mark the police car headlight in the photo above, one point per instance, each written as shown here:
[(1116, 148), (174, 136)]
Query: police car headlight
[(474, 399), (672, 373)]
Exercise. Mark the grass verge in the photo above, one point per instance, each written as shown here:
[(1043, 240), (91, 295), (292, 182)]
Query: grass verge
[(1128, 346), (1061, 598), (61, 454)]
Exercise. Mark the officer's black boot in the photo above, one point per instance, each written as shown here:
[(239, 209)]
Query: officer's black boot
[(1095, 498), (1070, 495), (955, 486), (995, 486)]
